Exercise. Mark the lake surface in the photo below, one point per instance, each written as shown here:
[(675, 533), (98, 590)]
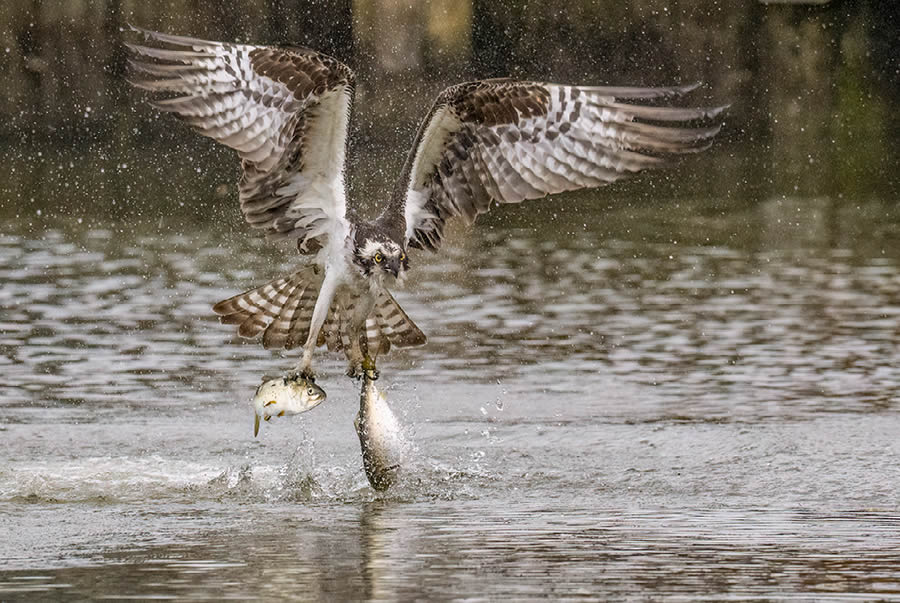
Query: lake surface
[(671, 401)]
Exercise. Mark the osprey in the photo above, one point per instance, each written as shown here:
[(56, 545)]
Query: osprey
[(285, 110)]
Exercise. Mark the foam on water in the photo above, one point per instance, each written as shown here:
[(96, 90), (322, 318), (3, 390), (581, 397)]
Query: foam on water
[(299, 478)]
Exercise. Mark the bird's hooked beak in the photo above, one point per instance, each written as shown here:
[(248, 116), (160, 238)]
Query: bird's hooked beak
[(393, 266)]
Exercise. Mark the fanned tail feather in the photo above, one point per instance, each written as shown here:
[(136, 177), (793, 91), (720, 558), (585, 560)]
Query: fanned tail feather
[(281, 310), (375, 338), (387, 325), (393, 322)]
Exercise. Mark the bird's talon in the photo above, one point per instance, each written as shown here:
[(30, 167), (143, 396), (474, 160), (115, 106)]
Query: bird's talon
[(304, 374), (368, 366)]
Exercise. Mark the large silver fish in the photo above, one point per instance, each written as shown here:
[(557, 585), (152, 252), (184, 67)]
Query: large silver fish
[(287, 395), (380, 436)]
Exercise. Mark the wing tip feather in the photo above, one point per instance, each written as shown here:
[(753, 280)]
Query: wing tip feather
[(171, 38), (643, 92)]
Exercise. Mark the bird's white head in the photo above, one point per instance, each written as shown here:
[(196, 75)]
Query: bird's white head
[(381, 257)]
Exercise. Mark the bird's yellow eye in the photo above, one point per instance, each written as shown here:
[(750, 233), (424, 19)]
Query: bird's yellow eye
[(378, 258)]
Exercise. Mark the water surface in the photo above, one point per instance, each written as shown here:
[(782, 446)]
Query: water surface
[(669, 401)]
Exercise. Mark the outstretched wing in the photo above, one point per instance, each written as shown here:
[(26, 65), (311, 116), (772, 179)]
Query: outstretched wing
[(284, 110), (506, 141)]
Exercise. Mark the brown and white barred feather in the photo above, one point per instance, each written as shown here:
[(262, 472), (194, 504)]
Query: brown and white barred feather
[(281, 310), (387, 325), (284, 110), (394, 324), (506, 141)]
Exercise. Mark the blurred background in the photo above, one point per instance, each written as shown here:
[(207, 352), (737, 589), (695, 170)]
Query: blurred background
[(812, 88)]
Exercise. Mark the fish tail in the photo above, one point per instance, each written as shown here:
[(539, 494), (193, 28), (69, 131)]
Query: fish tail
[(281, 310)]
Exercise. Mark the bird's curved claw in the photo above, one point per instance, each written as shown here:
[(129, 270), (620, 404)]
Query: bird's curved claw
[(365, 369), (368, 367), (357, 372), (302, 374)]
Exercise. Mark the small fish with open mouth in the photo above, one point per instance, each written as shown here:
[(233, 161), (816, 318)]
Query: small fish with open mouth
[(287, 395)]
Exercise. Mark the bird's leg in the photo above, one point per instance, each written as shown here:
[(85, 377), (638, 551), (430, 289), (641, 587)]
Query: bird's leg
[(355, 357), (304, 368), (361, 362), (320, 312), (368, 365), (368, 362)]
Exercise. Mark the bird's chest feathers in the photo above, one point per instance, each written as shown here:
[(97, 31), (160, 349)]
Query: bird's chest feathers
[(355, 302)]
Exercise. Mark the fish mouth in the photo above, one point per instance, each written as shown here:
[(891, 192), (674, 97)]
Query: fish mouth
[(318, 396)]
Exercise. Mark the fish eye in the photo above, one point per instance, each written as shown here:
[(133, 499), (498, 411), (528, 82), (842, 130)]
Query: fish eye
[(378, 258), (310, 391), (402, 256)]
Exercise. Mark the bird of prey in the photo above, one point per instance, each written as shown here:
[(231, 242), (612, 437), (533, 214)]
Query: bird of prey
[(285, 110)]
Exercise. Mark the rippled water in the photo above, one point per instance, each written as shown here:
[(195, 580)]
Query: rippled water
[(661, 402)]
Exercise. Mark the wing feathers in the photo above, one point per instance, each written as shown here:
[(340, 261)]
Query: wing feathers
[(170, 38), (663, 113), (640, 92), (284, 110), (281, 310), (176, 56), (508, 141)]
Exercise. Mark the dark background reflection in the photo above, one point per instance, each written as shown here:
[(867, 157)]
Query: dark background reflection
[(812, 87)]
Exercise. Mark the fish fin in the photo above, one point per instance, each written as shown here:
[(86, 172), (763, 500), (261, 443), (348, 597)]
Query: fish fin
[(255, 425)]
